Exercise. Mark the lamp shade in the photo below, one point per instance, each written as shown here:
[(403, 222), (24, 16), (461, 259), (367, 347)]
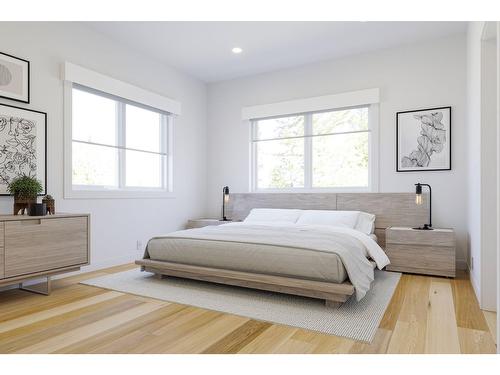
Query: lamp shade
[(225, 200), (418, 193), (419, 201)]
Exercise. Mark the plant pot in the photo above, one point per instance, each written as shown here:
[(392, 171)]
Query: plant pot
[(51, 205), (22, 204), (37, 209)]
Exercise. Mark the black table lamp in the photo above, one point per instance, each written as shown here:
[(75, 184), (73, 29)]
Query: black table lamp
[(225, 199), (419, 200)]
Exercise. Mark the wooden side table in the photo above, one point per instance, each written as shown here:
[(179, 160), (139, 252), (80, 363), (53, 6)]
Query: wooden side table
[(200, 223), (429, 252)]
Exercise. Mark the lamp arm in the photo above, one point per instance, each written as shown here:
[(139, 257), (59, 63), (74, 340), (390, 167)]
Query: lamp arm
[(223, 206), (430, 203)]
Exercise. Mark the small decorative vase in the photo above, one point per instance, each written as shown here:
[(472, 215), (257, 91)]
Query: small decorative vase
[(51, 205), (37, 209), (22, 204)]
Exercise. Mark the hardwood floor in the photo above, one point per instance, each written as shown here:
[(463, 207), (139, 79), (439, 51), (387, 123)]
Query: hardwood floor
[(426, 315)]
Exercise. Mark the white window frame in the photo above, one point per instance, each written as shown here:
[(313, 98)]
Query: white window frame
[(97, 82), (373, 142)]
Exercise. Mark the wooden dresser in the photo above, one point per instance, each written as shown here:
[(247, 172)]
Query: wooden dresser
[(429, 252), (42, 246)]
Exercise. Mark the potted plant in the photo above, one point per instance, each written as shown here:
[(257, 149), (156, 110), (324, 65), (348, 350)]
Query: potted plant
[(25, 190), (50, 204)]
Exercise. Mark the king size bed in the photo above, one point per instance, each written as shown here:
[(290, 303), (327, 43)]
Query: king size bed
[(325, 254)]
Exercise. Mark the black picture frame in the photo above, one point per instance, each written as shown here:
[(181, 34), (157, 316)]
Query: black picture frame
[(448, 108), (27, 101), (44, 114)]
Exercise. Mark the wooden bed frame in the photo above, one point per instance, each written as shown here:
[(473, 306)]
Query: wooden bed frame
[(390, 209), (333, 294)]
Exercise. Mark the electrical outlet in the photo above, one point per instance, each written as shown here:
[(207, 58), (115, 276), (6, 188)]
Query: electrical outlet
[(139, 245)]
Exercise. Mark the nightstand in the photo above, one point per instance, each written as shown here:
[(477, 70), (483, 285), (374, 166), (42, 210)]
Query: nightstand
[(429, 252), (200, 223)]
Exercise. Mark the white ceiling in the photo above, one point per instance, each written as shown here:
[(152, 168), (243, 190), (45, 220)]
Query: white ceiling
[(203, 49)]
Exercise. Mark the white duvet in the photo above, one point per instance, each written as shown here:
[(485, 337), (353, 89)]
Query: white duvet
[(353, 247)]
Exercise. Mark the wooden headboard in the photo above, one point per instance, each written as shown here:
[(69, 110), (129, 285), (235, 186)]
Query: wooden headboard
[(391, 209)]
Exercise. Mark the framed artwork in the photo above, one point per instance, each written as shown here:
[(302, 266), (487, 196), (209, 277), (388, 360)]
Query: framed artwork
[(14, 78), (23, 145), (423, 140)]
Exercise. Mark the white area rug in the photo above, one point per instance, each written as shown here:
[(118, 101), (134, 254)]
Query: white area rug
[(354, 320)]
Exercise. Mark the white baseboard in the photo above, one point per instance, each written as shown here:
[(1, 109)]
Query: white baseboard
[(475, 285)]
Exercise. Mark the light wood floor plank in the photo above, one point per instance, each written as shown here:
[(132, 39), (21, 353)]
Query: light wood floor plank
[(49, 313), (391, 315), (328, 344), (301, 342), (426, 314), (473, 341), (199, 340), (467, 311), (68, 338), (491, 321), (173, 329), (442, 332), (410, 330), (269, 340), (26, 303), (127, 336), (239, 338), (28, 335), (379, 344)]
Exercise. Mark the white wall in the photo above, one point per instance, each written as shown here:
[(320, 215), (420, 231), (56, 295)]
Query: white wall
[(482, 161), (474, 152), (489, 167), (116, 223), (409, 77)]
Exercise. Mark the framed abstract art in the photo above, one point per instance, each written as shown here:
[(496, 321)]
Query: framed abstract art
[(23, 145), (423, 140), (14, 78)]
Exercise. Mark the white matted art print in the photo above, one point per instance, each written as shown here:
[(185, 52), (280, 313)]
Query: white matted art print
[(14, 78), (423, 140), (23, 135)]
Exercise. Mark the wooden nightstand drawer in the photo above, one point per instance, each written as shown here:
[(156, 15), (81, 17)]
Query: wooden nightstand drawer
[(200, 223), (431, 260), (429, 252), (437, 237)]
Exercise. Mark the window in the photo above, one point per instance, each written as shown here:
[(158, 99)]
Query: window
[(316, 150), (118, 145)]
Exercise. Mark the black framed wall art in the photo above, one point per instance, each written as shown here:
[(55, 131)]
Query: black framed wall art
[(23, 145), (423, 140), (14, 78)]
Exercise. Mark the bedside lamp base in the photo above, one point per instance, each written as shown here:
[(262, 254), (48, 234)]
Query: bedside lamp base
[(425, 227)]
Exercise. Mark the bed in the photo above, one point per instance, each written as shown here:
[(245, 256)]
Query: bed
[(295, 251)]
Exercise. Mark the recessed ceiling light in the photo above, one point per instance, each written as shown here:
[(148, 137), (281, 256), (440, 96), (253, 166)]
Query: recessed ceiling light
[(237, 50)]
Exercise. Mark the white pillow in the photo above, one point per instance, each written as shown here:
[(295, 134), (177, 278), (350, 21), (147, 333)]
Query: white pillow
[(347, 219), (365, 223), (272, 215)]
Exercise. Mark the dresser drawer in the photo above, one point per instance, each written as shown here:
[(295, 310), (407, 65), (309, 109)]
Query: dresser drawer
[(1, 262), (37, 245), (433, 260), (1, 234), (1, 251), (436, 237)]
